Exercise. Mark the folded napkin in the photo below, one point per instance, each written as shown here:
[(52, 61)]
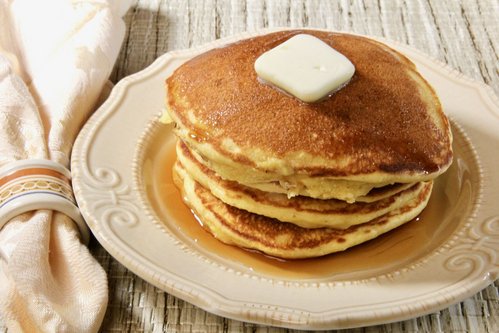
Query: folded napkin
[(55, 57)]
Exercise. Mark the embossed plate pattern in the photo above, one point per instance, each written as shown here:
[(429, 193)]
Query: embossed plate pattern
[(110, 159)]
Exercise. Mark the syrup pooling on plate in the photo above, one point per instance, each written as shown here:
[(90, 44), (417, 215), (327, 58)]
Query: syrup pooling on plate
[(394, 251)]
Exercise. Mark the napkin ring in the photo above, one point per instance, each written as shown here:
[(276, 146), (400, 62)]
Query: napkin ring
[(34, 184)]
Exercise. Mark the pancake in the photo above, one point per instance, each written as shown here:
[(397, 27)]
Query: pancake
[(386, 126), (297, 185), (302, 211), (280, 239)]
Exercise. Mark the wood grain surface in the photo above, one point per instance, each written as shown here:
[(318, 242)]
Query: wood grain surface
[(464, 34)]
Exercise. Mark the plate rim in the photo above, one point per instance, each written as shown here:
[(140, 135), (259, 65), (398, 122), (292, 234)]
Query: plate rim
[(282, 316)]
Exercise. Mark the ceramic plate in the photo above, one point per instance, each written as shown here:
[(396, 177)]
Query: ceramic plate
[(122, 181)]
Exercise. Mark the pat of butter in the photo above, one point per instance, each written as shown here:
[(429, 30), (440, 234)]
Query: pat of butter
[(305, 67), (165, 117)]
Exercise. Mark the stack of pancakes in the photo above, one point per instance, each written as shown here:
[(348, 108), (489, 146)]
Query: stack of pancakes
[(265, 171)]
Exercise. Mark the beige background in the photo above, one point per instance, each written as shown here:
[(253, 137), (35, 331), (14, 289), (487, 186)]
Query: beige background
[(463, 34)]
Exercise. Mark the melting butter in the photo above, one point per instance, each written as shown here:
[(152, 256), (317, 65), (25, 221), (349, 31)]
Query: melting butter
[(165, 117), (305, 67)]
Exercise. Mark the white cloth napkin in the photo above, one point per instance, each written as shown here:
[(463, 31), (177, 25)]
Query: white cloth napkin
[(55, 57)]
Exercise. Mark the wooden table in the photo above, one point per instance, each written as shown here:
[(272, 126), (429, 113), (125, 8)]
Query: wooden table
[(463, 34)]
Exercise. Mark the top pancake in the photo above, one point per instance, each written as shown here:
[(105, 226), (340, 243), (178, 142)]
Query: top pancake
[(386, 125)]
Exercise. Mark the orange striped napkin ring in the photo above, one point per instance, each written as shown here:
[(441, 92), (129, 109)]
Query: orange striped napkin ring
[(28, 185)]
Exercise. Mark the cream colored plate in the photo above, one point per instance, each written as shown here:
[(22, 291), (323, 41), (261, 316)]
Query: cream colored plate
[(122, 182)]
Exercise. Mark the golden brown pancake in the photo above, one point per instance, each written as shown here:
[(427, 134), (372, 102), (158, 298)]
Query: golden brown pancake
[(266, 171), (303, 211), (385, 126), (302, 185), (280, 239)]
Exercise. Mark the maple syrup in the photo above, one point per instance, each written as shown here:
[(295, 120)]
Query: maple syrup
[(451, 201)]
